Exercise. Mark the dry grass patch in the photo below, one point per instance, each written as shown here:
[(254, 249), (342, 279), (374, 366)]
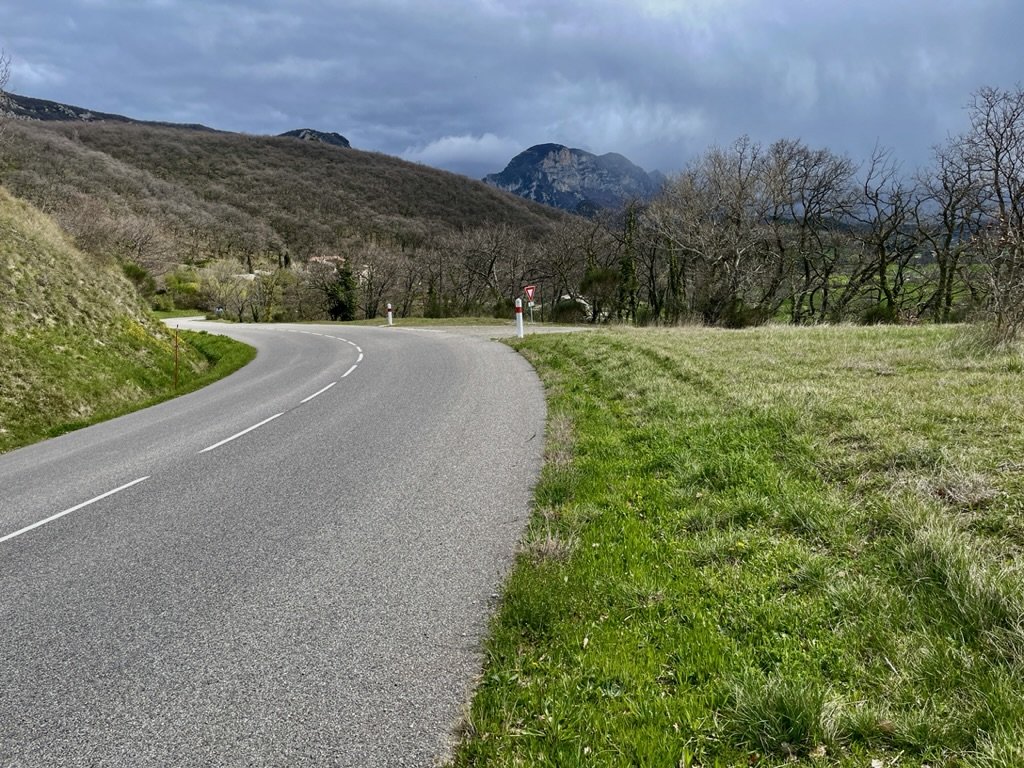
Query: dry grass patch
[(558, 450), (547, 546)]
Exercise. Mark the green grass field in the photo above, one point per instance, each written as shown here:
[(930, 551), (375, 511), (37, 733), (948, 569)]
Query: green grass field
[(766, 547)]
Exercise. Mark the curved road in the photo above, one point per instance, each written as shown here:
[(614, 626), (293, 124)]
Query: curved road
[(311, 592)]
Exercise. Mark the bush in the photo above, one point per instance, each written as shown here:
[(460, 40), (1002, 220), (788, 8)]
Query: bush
[(504, 308), (140, 277), (569, 311), (739, 315), (879, 314)]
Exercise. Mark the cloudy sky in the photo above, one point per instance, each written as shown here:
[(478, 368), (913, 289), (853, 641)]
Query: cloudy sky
[(467, 84)]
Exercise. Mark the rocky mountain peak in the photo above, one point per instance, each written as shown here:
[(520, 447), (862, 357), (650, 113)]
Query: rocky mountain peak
[(309, 134), (574, 179)]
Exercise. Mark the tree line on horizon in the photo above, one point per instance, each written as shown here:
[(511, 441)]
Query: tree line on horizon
[(267, 228), (749, 233)]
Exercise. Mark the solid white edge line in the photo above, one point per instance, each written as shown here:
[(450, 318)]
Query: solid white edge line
[(360, 358), (75, 508), (318, 393), (243, 432), (346, 373)]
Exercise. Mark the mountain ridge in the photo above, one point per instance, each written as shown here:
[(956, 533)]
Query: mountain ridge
[(30, 108), (44, 110)]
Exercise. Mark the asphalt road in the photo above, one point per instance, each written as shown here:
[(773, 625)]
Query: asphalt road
[(312, 592)]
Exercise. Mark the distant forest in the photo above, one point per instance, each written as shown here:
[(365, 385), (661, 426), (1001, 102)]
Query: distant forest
[(272, 228)]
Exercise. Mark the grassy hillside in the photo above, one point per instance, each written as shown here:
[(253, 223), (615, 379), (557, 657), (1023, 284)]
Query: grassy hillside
[(162, 196), (76, 342), (767, 547)]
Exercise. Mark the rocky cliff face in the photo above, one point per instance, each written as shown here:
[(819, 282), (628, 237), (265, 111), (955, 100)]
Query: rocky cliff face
[(41, 109), (575, 180), (27, 108), (308, 134)]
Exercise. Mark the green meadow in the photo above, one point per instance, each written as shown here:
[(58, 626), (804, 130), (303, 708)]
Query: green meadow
[(766, 547)]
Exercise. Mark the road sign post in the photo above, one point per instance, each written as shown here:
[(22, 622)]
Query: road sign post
[(390, 315), (530, 290), (519, 318)]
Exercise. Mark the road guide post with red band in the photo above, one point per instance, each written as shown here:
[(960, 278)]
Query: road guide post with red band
[(519, 318)]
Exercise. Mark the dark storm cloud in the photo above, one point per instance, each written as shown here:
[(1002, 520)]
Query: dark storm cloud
[(466, 85)]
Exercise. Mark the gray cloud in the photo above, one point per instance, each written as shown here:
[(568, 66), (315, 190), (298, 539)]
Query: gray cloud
[(465, 85)]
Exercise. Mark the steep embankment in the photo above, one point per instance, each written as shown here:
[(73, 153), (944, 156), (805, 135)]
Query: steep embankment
[(77, 345)]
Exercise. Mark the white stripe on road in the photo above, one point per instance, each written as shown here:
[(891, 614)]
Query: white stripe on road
[(243, 432), (360, 358), (346, 373), (318, 393), (75, 508)]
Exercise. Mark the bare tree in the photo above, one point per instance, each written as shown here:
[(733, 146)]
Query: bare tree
[(885, 242), (225, 289), (5, 77), (378, 270), (713, 215), (949, 217), (995, 146), (810, 192)]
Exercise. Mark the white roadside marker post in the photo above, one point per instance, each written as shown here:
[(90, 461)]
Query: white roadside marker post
[(519, 318), (391, 317)]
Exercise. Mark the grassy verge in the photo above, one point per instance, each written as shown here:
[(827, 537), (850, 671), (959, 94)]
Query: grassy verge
[(766, 547), (61, 379)]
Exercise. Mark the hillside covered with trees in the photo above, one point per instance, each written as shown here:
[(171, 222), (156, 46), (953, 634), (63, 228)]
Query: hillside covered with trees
[(186, 210), (746, 233)]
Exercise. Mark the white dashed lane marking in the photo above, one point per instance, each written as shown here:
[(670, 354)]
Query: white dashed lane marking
[(75, 508), (304, 400), (243, 432), (226, 440)]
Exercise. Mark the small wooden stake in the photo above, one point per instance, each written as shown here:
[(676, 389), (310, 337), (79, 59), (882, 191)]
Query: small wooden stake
[(175, 358)]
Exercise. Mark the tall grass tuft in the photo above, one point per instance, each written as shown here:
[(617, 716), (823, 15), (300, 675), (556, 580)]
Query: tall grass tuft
[(780, 716)]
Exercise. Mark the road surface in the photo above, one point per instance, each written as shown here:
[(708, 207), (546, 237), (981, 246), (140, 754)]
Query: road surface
[(292, 566)]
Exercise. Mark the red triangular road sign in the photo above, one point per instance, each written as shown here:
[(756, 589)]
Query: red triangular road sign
[(529, 290)]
